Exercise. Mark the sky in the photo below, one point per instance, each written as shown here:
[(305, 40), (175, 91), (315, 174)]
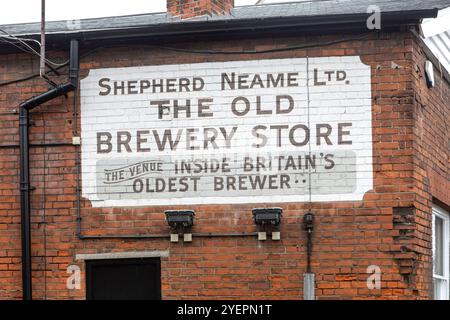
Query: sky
[(21, 11)]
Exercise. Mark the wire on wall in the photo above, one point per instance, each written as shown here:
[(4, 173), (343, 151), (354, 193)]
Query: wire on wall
[(25, 47), (44, 200), (272, 50), (193, 51), (202, 51), (308, 101), (77, 164)]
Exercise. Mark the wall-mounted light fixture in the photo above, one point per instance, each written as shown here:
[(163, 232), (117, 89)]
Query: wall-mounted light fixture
[(180, 221), (308, 220), (267, 218), (429, 73)]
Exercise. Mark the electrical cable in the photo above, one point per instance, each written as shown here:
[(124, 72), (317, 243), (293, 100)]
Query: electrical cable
[(195, 51), (15, 37), (23, 39), (28, 49), (33, 52), (288, 48), (14, 43), (77, 163), (30, 77), (35, 75), (44, 195), (309, 125)]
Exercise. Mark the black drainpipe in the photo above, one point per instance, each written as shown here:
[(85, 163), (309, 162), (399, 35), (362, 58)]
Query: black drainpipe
[(24, 117)]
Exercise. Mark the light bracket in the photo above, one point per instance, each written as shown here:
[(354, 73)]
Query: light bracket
[(180, 219), (267, 216)]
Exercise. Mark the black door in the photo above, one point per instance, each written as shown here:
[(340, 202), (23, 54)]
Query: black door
[(123, 279)]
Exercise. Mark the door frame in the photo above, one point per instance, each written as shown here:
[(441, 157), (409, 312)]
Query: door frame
[(445, 217), (125, 261)]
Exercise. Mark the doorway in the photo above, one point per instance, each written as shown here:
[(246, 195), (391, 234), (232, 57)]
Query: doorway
[(123, 279)]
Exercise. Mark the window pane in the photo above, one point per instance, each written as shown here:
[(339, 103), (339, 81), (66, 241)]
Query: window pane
[(439, 246), (436, 289), (440, 289)]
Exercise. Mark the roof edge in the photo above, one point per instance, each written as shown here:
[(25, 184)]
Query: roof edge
[(326, 23)]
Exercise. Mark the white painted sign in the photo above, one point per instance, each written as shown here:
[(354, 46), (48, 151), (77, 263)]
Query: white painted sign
[(261, 131)]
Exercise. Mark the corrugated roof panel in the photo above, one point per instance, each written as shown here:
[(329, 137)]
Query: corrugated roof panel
[(440, 45)]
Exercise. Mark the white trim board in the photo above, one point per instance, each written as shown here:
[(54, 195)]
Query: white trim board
[(123, 255)]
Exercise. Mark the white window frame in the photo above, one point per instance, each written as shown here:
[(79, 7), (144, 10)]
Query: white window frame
[(442, 214)]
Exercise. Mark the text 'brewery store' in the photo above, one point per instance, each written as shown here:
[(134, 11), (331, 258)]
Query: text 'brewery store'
[(281, 151)]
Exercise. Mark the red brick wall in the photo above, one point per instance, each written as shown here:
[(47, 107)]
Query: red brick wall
[(431, 157), (193, 8), (389, 228)]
